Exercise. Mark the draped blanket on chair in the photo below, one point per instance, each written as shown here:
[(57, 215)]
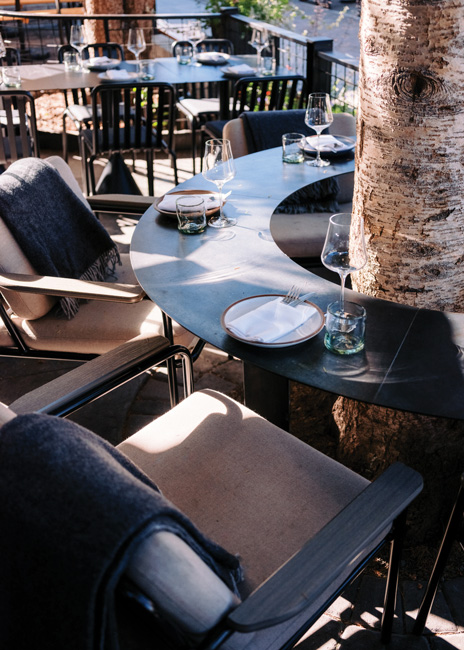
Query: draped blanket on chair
[(57, 233), (72, 510)]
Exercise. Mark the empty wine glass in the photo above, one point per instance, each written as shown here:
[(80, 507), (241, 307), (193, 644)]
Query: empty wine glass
[(259, 40), (195, 35), (344, 248), (78, 39), (219, 167), (136, 44), (318, 117)]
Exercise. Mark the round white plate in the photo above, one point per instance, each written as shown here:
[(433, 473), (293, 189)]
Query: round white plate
[(213, 58), (227, 72), (132, 75), (302, 333), (109, 65), (346, 144), (208, 212)]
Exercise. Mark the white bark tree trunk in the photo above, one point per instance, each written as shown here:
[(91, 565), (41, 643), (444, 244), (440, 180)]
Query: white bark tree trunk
[(409, 188)]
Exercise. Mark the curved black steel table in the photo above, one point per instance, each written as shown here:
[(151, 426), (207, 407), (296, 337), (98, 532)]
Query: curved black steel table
[(412, 359)]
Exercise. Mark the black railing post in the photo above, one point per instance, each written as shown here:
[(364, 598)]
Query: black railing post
[(318, 72), (229, 28)]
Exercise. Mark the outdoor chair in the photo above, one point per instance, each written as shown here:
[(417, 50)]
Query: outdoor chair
[(273, 93), (298, 231), (127, 562), (199, 103), (77, 101), (19, 138), (12, 57), (454, 532), (114, 310), (136, 118)]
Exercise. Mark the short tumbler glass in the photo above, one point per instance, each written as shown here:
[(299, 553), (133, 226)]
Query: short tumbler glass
[(12, 76), (184, 54), (293, 147), (191, 215), (345, 327)]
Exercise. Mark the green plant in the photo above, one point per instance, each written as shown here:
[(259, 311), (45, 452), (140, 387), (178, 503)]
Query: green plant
[(269, 11)]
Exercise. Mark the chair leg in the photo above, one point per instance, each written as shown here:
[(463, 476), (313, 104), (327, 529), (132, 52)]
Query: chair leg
[(64, 140), (194, 147), (391, 590), (150, 173), (451, 533)]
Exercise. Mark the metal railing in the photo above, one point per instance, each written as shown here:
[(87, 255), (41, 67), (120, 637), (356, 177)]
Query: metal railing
[(37, 36)]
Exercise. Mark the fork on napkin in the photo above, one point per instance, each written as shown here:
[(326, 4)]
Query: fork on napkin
[(168, 204), (240, 70), (117, 75), (271, 321)]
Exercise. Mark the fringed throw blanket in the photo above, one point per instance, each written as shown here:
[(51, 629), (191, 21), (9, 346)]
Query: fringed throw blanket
[(72, 511), (264, 130), (57, 233)]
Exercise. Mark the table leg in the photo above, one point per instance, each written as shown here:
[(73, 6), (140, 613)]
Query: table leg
[(267, 393)]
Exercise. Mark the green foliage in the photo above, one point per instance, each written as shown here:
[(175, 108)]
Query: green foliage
[(269, 11)]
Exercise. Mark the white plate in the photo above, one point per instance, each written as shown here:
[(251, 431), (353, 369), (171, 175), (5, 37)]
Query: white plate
[(208, 212), (132, 75), (109, 65), (213, 58), (302, 333), (346, 144), (227, 72)]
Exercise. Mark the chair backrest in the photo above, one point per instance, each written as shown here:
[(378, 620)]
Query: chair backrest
[(177, 45), (269, 94), (12, 57), (130, 117), (111, 50), (222, 45), (18, 126)]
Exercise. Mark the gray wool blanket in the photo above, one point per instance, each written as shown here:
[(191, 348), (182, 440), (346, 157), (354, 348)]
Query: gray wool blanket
[(57, 233), (264, 130), (72, 509)]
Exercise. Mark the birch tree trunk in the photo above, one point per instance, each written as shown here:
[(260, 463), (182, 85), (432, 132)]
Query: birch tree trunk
[(95, 29), (409, 188)]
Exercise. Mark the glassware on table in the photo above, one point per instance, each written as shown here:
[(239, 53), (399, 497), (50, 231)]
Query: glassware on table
[(293, 148), (12, 76), (196, 34), (318, 117), (344, 248), (184, 54), (78, 39), (191, 214), (219, 167), (345, 327), (259, 40), (136, 44)]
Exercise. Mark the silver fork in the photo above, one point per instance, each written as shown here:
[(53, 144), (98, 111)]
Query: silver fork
[(300, 299), (292, 294)]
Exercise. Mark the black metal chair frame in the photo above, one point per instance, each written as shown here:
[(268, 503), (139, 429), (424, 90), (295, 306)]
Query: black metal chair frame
[(454, 531), (144, 115), (206, 90), (19, 138), (78, 100)]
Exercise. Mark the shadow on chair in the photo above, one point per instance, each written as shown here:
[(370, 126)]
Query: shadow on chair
[(303, 525)]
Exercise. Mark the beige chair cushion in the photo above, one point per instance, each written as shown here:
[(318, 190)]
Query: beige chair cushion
[(251, 487)]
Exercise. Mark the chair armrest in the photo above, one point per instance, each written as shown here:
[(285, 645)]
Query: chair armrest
[(339, 545), (85, 289), (120, 203), (94, 378)]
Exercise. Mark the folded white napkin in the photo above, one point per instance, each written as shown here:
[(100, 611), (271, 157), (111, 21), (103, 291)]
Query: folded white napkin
[(327, 143), (240, 70), (99, 60), (168, 204), (270, 321), (117, 75), (215, 57)]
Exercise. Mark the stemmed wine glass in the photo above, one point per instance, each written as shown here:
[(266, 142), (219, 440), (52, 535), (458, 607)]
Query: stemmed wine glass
[(78, 39), (136, 44), (318, 117), (219, 167), (259, 40), (344, 248), (196, 34)]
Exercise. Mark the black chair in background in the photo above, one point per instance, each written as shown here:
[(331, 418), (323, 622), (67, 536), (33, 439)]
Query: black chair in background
[(454, 532), (19, 138), (12, 57), (77, 101), (199, 103), (129, 119)]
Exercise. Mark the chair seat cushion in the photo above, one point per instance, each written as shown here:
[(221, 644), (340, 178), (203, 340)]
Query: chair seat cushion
[(215, 128), (206, 108)]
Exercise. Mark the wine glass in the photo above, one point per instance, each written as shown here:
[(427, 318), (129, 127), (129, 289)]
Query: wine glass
[(78, 39), (219, 167), (259, 40), (344, 248), (196, 34), (136, 44), (318, 117)]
